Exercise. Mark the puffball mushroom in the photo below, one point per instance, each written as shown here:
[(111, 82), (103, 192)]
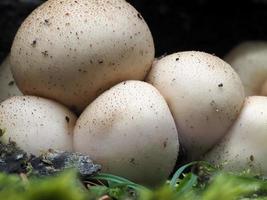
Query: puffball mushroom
[(73, 50), (244, 146), (36, 124), (250, 62), (130, 131), (204, 94), (8, 87)]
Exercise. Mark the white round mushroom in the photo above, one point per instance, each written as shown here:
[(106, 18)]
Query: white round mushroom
[(8, 87), (73, 50), (250, 62), (130, 131), (36, 124), (204, 94), (244, 147)]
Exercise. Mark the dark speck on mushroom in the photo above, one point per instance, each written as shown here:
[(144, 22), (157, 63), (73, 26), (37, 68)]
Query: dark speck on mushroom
[(33, 44), (67, 119), (132, 161), (45, 53), (11, 83), (220, 85), (46, 22), (165, 144), (139, 16)]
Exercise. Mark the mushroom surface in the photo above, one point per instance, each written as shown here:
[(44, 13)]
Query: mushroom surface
[(130, 131), (36, 124), (73, 50), (204, 94), (8, 87), (244, 146), (250, 62)]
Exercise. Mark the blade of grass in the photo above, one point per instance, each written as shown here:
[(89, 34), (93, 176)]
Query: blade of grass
[(186, 183), (118, 180), (179, 172)]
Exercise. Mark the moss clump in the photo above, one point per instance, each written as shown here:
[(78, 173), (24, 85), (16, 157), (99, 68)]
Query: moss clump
[(63, 187)]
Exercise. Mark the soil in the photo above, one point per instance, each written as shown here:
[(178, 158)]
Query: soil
[(206, 25)]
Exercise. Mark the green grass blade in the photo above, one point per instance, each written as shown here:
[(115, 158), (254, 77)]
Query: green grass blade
[(187, 183), (179, 172), (118, 180)]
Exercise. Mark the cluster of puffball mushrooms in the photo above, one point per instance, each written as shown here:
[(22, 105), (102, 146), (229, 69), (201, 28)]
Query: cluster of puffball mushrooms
[(88, 82)]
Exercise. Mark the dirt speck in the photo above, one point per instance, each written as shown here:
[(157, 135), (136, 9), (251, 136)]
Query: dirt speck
[(67, 119), (11, 83), (45, 53)]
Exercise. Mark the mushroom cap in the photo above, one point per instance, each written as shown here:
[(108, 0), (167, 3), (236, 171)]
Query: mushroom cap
[(244, 146), (130, 131), (204, 94), (8, 87), (250, 61), (73, 50), (36, 124)]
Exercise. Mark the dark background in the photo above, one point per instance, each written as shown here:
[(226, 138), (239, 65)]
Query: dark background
[(213, 26)]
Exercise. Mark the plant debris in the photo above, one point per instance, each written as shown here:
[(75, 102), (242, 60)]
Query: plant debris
[(56, 161), (14, 160)]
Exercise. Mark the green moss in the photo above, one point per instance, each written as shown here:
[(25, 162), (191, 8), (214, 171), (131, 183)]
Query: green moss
[(200, 182), (65, 187)]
